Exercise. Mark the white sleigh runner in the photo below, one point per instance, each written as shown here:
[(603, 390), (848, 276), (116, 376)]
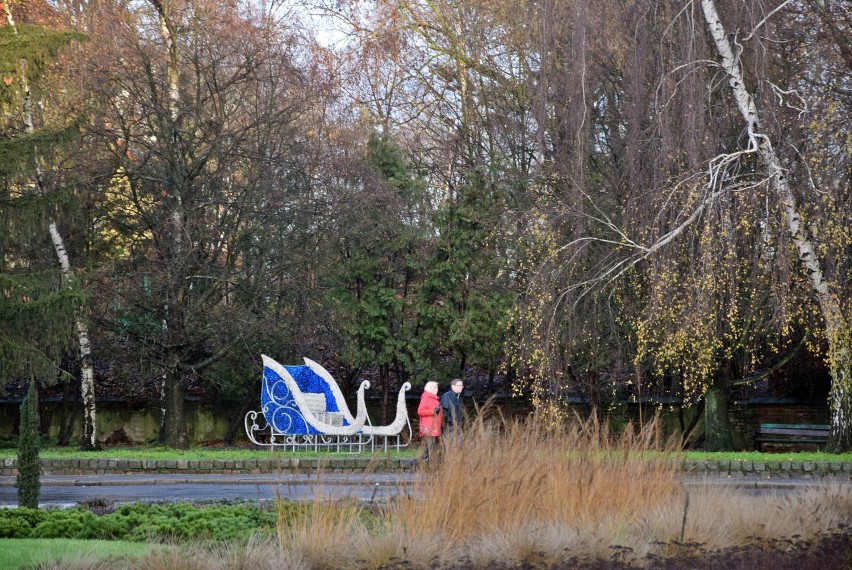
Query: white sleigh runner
[(303, 408)]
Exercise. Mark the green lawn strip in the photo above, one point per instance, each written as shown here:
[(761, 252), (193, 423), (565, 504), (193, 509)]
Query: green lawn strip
[(755, 456), (21, 552), (202, 453), (765, 457), (197, 453)]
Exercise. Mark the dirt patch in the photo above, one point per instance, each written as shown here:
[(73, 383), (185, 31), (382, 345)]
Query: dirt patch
[(832, 552)]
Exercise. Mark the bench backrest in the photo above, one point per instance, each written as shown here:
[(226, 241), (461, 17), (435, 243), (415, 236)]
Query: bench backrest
[(795, 426)]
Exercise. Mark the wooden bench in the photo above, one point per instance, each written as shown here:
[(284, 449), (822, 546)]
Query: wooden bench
[(790, 434)]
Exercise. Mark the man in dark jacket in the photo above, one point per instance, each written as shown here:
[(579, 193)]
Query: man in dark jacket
[(453, 407)]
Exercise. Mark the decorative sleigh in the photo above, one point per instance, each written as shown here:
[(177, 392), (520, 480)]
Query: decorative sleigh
[(303, 408)]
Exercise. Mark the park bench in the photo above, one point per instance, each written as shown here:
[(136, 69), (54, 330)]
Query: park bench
[(303, 408), (790, 434)]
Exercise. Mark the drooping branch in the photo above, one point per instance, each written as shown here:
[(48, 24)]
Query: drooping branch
[(638, 251), (777, 175)]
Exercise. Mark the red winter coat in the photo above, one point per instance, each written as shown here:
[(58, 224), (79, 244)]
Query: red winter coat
[(430, 421)]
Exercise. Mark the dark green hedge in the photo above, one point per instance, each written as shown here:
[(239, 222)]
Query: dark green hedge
[(140, 522)]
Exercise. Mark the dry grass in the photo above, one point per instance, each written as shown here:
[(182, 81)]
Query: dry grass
[(256, 554), (502, 493), (321, 533), (519, 495), (499, 488)]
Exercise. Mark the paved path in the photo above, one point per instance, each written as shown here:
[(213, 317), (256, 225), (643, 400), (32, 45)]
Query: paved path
[(68, 490), (762, 486)]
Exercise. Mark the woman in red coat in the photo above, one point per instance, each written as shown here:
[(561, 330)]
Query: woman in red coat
[(431, 418)]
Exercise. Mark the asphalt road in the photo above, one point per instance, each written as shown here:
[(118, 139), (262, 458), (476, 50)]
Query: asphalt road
[(63, 491)]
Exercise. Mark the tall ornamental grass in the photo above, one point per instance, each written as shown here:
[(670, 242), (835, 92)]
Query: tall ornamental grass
[(502, 492), (521, 495)]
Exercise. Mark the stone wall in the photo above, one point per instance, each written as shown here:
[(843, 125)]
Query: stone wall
[(207, 423), (120, 423)]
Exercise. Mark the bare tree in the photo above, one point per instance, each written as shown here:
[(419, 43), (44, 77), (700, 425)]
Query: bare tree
[(646, 269), (202, 101)]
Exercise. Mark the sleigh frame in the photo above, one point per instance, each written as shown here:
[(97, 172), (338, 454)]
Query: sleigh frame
[(303, 409)]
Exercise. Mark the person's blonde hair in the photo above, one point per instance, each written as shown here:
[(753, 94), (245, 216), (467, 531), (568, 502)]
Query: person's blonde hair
[(431, 387)]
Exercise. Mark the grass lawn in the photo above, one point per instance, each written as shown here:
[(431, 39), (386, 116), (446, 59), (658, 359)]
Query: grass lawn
[(196, 453), (766, 456), (21, 552)]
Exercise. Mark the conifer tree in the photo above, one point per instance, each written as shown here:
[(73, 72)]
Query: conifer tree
[(40, 306), (28, 482), (376, 271)]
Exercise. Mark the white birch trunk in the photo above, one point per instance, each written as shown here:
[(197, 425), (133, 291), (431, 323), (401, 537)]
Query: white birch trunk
[(837, 329), (87, 373)]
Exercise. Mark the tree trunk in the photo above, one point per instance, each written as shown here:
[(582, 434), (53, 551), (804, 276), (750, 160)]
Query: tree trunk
[(67, 413), (174, 378), (717, 426), (840, 397), (837, 327), (175, 419), (687, 433), (385, 379), (349, 381), (510, 390), (89, 439), (174, 384), (237, 421)]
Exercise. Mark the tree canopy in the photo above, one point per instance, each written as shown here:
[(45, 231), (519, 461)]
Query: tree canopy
[(597, 201)]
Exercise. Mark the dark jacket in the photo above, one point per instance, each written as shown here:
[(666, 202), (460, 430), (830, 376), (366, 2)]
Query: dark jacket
[(453, 408)]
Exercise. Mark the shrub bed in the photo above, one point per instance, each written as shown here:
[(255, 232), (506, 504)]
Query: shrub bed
[(142, 522)]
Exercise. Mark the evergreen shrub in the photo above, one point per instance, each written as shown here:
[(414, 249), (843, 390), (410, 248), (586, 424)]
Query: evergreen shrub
[(28, 481), (141, 522)]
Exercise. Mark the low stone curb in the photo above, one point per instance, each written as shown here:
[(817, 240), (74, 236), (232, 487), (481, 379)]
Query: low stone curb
[(770, 469), (702, 468)]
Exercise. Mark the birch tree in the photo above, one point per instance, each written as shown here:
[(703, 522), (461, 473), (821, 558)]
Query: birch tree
[(660, 271), (828, 294), (705, 249), (32, 151)]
